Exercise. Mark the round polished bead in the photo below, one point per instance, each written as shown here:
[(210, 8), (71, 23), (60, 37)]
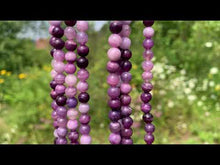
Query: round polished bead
[(126, 43), (60, 89), (59, 78), (61, 111), (53, 84), (62, 132), (55, 23), (83, 108), (84, 129), (82, 74), (72, 114), (115, 27), (82, 62), (72, 125), (146, 97), (114, 103), (126, 111), (57, 32), (149, 138), (112, 67), (147, 66), (126, 31), (82, 26), (127, 122), (82, 86), (148, 32), (59, 55), (71, 80), (61, 141), (126, 77), (61, 100), (70, 45), (55, 133), (73, 135), (54, 115), (84, 119), (54, 105), (114, 115), (53, 73), (53, 94), (147, 76), (148, 43), (115, 127), (148, 23), (125, 100), (113, 79), (126, 141), (52, 51), (148, 118), (70, 22), (58, 43), (114, 92), (127, 132), (83, 50), (52, 40), (149, 128), (145, 107), (83, 97), (82, 38), (114, 54), (61, 122), (125, 88), (70, 68), (70, 91), (114, 40), (59, 66), (126, 66), (115, 138), (70, 57), (71, 102), (70, 33), (55, 125), (85, 139), (126, 54), (148, 54), (147, 87), (50, 29)]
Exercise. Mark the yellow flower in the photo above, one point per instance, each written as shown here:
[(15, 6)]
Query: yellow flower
[(217, 87), (22, 75), (47, 68), (135, 67), (3, 72), (8, 74), (1, 81)]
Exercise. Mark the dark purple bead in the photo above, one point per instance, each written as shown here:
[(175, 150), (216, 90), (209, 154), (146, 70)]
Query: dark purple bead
[(61, 100), (84, 129), (83, 97), (53, 84), (126, 111), (53, 94), (57, 32), (148, 118), (114, 115), (114, 92), (52, 51), (146, 97), (61, 141), (125, 100), (52, 40), (72, 102), (126, 77), (147, 87), (82, 62), (148, 23), (114, 103), (73, 135), (58, 43), (126, 141), (70, 45), (145, 107), (74, 142), (112, 67), (126, 54), (54, 105), (127, 133), (84, 119), (126, 66), (70, 22), (127, 122), (115, 127), (83, 50), (61, 111), (149, 138), (115, 27), (149, 128)]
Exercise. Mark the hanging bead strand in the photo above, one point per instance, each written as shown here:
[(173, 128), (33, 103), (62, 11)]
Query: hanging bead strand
[(147, 76), (82, 85), (59, 114)]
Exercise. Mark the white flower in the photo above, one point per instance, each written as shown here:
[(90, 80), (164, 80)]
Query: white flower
[(187, 90), (191, 97), (199, 103), (162, 76), (183, 72), (208, 44), (211, 83), (213, 70), (170, 104), (207, 113), (203, 98), (162, 92)]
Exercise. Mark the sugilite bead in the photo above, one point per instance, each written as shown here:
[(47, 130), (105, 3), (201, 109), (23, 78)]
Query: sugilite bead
[(70, 33), (70, 91), (73, 135), (72, 114), (145, 107), (126, 66), (61, 122), (70, 56), (57, 32), (148, 118), (61, 100), (114, 92), (82, 62), (115, 138), (126, 43), (114, 54), (70, 45), (82, 26), (84, 119), (62, 132), (113, 79), (84, 129), (126, 31), (126, 54), (70, 68), (147, 87), (126, 111), (148, 43), (71, 102), (148, 23), (126, 132), (148, 54), (112, 67), (114, 40), (52, 51), (60, 89), (84, 108), (149, 138), (115, 127), (148, 32), (61, 141), (83, 97), (127, 122), (82, 74), (59, 78), (53, 84), (82, 38), (72, 124), (115, 27), (126, 77), (59, 55), (71, 80), (125, 100), (70, 22), (61, 111), (126, 141), (149, 128), (82, 86), (114, 103), (146, 97), (83, 50), (147, 66), (125, 88)]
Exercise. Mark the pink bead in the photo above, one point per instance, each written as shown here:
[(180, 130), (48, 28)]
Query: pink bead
[(55, 23), (53, 73), (72, 114), (82, 26), (72, 124), (70, 80), (113, 79), (126, 88), (70, 33), (82, 38), (148, 55), (85, 139), (126, 43), (60, 89), (59, 66), (147, 66), (148, 32), (147, 76), (114, 40), (126, 31), (82, 86), (60, 78), (114, 54), (55, 133), (83, 107), (70, 68), (70, 56), (51, 29), (70, 91), (53, 62), (82, 74), (59, 55)]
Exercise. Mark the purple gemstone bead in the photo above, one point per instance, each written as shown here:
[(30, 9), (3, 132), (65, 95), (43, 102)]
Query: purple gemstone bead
[(148, 32), (146, 97), (60, 89), (148, 23), (70, 57), (61, 141), (84, 119), (114, 40), (57, 32), (126, 43), (82, 62), (114, 92), (52, 51), (61, 122), (115, 27), (112, 66), (127, 122), (126, 141), (60, 78), (83, 50), (114, 115), (82, 38), (126, 54), (70, 68), (115, 127), (61, 100), (83, 97), (115, 138), (85, 139), (59, 55), (70, 92), (54, 115), (149, 138), (84, 129), (58, 43), (55, 23), (82, 26), (113, 79), (147, 66), (126, 111), (147, 87), (61, 111), (126, 77), (145, 107), (148, 43), (125, 100), (54, 105), (70, 33), (127, 132), (125, 88), (82, 74), (62, 132), (148, 118), (53, 94), (70, 22), (126, 66), (73, 135), (114, 103), (72, 102), (70, 45), (148, 54), (149, 128)]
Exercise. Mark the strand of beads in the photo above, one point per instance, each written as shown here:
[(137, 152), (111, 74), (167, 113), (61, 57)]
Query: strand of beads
[(147, 76), (70, 80), (125, 87), (82, 85), (58, 84), (113, 79)]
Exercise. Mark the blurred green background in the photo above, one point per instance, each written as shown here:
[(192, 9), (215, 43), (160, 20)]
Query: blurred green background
[(186, 95)]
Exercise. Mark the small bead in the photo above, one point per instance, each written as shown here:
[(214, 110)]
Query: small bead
[(61, 122), (59, 55), (53, 73), (70, 68), (148, 54), (60, 89), (147, 87), (72, 125), (112, 67), (125, 88), (82, 74), (70, 45), (115, 138), (82, 38), (148, 43), (114, 92), (84, 108), (82, 62), (126, 77), (61, 141), (114, 115), (148, 23), (70, 33), (85, 139), (149, 138), (114, 54), (54, 115), (113, 79), (59, 66), (54, 105), (70, 80), (115, 127), (61, 111), (57, 32), (126, 31), (84, 129), (62, 132), (70, 91), (114, 103), (61, 100), (126, 43), (126, 111), (115, 27), (59, 79), (73, 135), (127, 122), (83, 97), (126, 141), (82, 26), (82, 86), (147, 76), (114, 40), (146, 97), (145, 107), (126, 66), (83, 50), (149, 128), (53, 94), (126, 54), (72, 114), (148, 118), (148, 32), (71, 102), (147, 66), (127, 132), (70, 22), (84, 119), (125, 100)]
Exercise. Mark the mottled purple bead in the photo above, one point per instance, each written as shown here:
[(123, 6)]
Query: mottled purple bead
[(70, 45), (70, 56), (53, 94), (148, 32), (148, 43), (52, 51), (145, 107), (58, 43), (114, 103), (82, 62), (72, 102), (54, 115), (114, 92), (70, 68), (83, 50), (55, 125), (127, 122), (126, 111), (57, 32), (148, 118), (62, 132), (148, 23), (149, 138), (59, 55), (82, 38), (125, 100), (70, 22), (147, 87), (61, 122), (112, 67), (113, 79), (61, 141), (127, 132), (61, 111), (84, 129), (114, 115), (126, 66), (83, 97), (84, 119), (60, 78), (73, 135), (146, 97), (148, 54), (60, 89), (61, 100), (82, 74), (54, 105), (126, 77), (115, 138), (126, 141), (115, 27), (115, 127), (149, 128), (126, 54)]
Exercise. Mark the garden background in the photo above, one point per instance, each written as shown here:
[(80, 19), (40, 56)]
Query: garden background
[(186, 95)]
